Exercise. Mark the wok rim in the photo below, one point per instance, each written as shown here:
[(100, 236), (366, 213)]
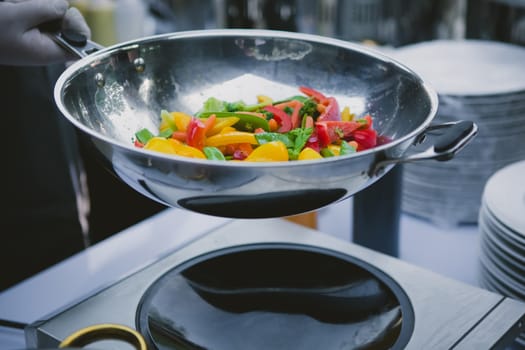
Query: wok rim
[(70, 72)]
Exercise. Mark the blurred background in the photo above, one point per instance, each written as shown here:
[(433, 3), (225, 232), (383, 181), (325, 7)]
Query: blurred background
[(383, 22)]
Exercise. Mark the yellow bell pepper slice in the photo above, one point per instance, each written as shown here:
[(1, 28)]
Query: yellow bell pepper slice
[(227, 130), (188, 151), (220, 124), (171, 146), (224, 139), (274, 151), (336, 149), (167, 121), (308, 153), (264, 99), (160, 144), (181, 120), (346, 115)]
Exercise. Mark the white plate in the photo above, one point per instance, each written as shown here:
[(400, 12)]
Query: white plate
[(512, 239), (504, 196), (493, 284), (467, 67), (500, 263), (504, 284)]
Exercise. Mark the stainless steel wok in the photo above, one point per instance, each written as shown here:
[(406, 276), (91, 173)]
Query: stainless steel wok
[(112, 93)]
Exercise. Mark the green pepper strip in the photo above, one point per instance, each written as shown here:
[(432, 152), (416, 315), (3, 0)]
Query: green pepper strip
[(346, 149), (213, 153), (166, 117), (144, 135), (166, 133), (299, 98), (326, 152)]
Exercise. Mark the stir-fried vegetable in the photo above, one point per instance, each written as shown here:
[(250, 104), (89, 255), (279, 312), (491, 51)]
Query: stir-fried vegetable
[(303, 127)]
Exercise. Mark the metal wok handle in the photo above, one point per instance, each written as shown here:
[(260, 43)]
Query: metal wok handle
[(106, 331), (73, 42), (443, 147)]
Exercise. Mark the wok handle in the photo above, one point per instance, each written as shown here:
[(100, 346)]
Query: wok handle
[(443, 147), (73, 42), (105, 331)]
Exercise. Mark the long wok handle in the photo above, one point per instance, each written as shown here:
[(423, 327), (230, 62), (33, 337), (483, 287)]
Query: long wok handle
[(445, 146), (73, 42)]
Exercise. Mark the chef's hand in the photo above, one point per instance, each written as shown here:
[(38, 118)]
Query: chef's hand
[(22, 42)]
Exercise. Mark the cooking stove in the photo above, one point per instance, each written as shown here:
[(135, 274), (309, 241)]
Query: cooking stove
[(273, 284)]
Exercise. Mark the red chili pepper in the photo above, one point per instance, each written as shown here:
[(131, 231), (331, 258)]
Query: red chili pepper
[(281, 117), (196, 133)]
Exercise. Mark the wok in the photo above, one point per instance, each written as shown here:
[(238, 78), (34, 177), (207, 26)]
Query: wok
[(110, 93)]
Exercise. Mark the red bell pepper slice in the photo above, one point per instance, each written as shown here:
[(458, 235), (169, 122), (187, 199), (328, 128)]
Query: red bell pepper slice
[(296, 106), (296, 118), (281, 117), (323, 135), (179, 135), (365, 138), (196, 133), (334, 130), (316, 95), (313, 142), (331, 111), (366, 122), (308, 122)]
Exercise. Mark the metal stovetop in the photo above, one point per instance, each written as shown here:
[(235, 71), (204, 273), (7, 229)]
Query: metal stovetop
[(444, 313)]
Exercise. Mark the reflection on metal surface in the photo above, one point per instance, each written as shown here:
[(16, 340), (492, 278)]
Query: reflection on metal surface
[(275, 204), (277, 50)]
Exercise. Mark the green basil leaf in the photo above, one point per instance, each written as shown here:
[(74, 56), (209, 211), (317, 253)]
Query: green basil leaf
[(266, 137)]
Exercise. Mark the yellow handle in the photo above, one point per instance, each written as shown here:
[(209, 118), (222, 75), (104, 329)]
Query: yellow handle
[(105, 331)]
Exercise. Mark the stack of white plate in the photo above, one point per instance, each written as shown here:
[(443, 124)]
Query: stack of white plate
[(502, 233), (477, 80)]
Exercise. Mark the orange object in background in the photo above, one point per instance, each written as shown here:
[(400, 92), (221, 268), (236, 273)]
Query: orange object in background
[(307, 219)]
